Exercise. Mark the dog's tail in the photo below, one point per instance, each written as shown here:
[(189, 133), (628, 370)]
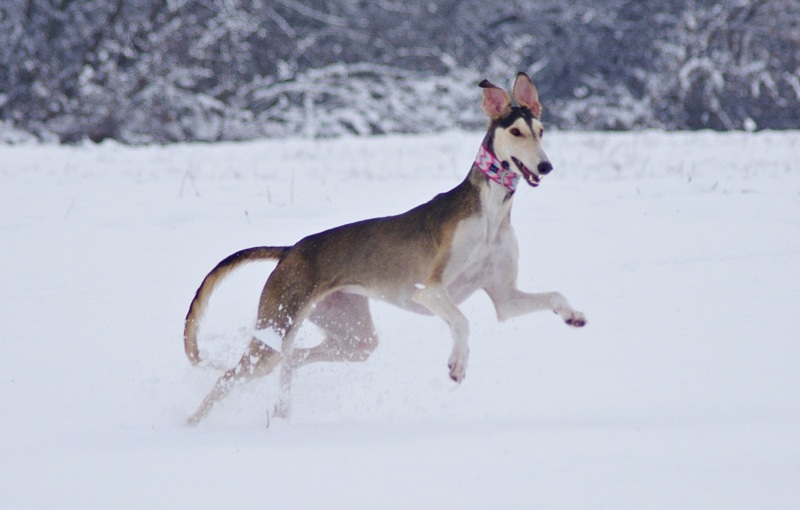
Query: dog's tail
[(210, 282)]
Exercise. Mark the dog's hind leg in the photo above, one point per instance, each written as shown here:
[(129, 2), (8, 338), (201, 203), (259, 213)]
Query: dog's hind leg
[(349, 336), (281, 310), (285, 303), (259, 360), (349, 331)]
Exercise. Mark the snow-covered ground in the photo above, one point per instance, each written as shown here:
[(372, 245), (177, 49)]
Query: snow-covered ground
[(683, 391)]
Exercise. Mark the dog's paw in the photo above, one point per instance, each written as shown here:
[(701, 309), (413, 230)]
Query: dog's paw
[(194, 420), (458, 366), (282, 409), (457, 373), (575, 319)]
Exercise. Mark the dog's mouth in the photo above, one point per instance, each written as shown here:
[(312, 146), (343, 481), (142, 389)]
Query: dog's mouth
[(530, 177)]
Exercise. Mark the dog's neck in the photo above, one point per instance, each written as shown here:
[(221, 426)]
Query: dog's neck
[(495, 170)]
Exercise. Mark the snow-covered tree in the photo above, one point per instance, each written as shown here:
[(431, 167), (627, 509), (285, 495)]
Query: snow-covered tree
[(167, 70)]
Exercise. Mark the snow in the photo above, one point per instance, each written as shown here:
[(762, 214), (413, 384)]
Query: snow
[(681, 392)]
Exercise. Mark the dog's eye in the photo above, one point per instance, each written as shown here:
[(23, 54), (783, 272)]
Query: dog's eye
[(516, 132), (541, 133)]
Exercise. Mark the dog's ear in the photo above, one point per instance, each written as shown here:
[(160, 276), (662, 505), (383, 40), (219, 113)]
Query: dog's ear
[(526, 95), (496, 101)]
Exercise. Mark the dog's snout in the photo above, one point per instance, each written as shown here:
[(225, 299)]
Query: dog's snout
[(544, 168)]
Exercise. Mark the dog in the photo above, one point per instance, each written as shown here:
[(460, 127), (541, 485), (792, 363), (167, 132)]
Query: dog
[(426, 260)]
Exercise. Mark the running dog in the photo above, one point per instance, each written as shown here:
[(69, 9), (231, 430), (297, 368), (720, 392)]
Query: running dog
[(426, 260)]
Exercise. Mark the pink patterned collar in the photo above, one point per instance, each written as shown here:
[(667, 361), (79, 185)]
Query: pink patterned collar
[(496, 170)]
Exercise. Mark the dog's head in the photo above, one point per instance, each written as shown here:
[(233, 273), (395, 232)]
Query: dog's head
[(515, 132)]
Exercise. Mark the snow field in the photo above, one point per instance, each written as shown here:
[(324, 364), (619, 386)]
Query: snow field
[(681, 392)]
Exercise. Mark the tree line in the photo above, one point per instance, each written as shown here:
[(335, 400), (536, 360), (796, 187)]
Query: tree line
[(145, 71)]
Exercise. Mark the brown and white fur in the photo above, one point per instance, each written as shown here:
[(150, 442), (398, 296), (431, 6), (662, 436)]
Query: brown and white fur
[(427, 260)]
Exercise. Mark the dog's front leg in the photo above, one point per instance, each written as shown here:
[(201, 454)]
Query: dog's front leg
[(512, 302), (436, 299), (501, 284)]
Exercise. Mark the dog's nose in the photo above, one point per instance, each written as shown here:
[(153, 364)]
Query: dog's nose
[(544, 168)]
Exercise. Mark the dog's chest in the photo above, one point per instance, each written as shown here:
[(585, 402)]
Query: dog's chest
[(477, 236)]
